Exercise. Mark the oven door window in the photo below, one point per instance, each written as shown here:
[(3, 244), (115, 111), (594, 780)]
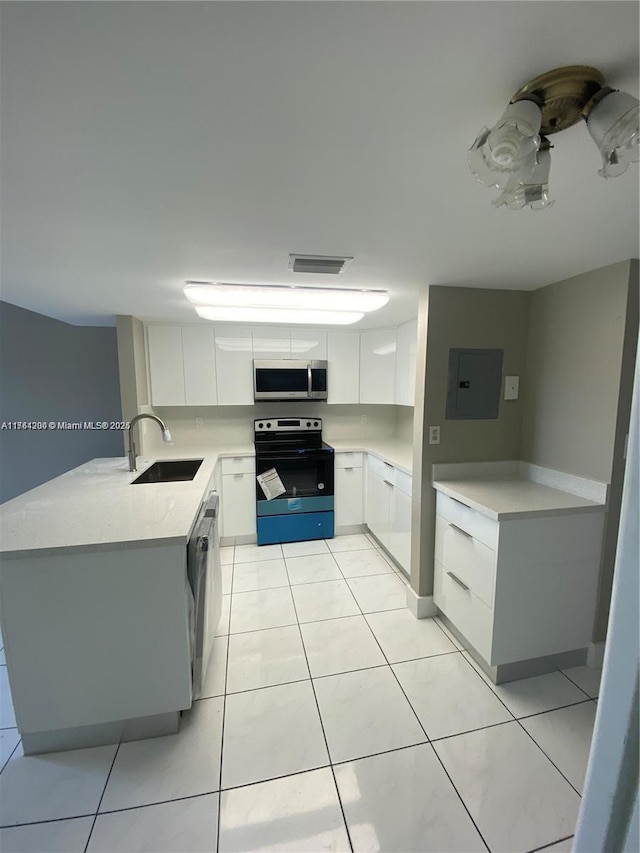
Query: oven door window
[(279, 380), (304, 475)]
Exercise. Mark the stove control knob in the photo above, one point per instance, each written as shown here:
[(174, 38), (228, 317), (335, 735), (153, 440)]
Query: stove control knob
[(268, 425), (315, 423), (260, 426), (308, 423)]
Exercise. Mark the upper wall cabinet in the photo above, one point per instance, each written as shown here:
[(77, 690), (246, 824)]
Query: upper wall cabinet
[(343, 380), (406, 339), (166, 365), (378, 366), (182, 365), (234, 365), (281, 342), (200, 365), (199, 352)]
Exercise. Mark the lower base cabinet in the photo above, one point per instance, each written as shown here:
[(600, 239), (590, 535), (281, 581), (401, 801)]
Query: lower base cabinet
[(521, 588), (388, 509), (348, 496), (238, 500)]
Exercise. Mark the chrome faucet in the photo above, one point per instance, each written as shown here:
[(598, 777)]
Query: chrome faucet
[(131, 453)]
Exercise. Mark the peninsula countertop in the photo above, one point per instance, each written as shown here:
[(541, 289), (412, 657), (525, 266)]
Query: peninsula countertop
[(96, 507)]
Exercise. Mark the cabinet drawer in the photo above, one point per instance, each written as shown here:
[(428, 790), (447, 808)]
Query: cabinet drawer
[(383, 469), (348, 459), (238, 465), (468, 558), (403, 482), (470, 616), (477, 525)]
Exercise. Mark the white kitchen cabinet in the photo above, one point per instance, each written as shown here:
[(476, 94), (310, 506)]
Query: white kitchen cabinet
[(520, 588), (343, 355), (309, 343), (348, 489), (400, 521), (166, 365), (388, 509), (271, 342), (199, 355), (234, 365), (405, 367), (377, 366), (238, 500)]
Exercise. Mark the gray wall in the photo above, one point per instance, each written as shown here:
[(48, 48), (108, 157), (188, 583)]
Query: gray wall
[(469, 318), (52, 371), (582, 345), (576, 339)]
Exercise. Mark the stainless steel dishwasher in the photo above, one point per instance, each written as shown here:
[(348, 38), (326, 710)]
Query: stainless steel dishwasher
[(205, 581)]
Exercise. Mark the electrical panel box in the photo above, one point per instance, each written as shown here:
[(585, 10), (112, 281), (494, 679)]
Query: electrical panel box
[(475, 383)]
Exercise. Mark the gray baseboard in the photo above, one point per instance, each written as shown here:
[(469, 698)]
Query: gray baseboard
[(518, 669), (101, 734)]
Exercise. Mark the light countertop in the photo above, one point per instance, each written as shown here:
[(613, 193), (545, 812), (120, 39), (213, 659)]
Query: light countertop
[(387, 449), (510, 492), (95, 507)]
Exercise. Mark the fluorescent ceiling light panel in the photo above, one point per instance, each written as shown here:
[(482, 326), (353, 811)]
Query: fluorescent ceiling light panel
[(252, 314), (283, 296)]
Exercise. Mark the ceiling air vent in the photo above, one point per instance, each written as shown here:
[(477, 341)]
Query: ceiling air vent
[(324, 264)]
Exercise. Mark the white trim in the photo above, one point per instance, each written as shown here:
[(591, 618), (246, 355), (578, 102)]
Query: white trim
[(421, 606), (608, 806), (595, 655)]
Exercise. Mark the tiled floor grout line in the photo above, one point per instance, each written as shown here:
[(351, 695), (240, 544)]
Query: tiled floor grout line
[(424, 731), (517, 720), (550, 844), (10, 756), (574, 683), (324, 734), (224, 711), (48, 820), (106, 782)]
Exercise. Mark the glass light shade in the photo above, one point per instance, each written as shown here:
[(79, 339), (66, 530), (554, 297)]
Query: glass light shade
[(501, 151), (613, 125), (282, 296), (530, 187), (251, 314)]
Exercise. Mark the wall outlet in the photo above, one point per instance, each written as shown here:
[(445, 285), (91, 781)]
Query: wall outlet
[(199, 423), (511, 387), (434, 435), (363, 419)]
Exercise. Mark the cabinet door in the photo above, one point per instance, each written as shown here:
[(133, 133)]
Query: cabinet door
[(234, 365), (400, 529), (348, 496), (343, 354), (238, 504), (309, 343), (378, 505), (378, 366), (166, 365), (406, 363), (272, 342), (199, 352)]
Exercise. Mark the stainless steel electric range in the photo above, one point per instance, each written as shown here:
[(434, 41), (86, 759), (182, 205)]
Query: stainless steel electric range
[(294, 484)]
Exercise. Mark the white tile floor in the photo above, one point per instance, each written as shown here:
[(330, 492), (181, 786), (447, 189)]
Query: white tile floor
[(331, 719)]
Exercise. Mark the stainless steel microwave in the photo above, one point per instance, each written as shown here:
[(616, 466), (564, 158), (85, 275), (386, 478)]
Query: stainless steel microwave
[(289, 379)]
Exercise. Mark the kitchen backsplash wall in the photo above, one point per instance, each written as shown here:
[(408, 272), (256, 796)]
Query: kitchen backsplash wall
[(234, 424)]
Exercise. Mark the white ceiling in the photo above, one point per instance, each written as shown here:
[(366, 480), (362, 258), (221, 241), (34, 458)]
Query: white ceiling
[(144, 144)]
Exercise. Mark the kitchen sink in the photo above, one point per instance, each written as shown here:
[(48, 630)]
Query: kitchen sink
[(169, 471)]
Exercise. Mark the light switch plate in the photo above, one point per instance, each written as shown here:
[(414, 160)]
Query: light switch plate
[(511, 387)]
